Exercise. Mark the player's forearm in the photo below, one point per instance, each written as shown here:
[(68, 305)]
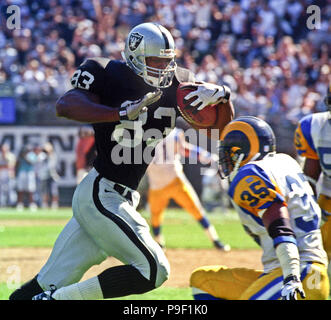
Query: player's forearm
[(276, 219), (78, 106), (289, 259)]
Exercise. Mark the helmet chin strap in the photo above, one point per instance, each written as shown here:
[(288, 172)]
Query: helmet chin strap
[(256, 156), (236, 167)]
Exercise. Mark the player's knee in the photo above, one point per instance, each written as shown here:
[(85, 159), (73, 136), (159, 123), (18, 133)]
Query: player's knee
[(156, 272), (196, 277), (163, 273), (201, 276)]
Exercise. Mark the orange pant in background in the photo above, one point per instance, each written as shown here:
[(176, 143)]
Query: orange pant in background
[(182, 193)]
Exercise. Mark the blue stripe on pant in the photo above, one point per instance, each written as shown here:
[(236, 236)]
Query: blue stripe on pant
[(276, 282)]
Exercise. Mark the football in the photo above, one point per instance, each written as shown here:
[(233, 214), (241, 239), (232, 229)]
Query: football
[(204, 118)]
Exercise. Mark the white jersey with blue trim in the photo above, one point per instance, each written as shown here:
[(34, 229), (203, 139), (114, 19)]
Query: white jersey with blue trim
[(278, 178), (313, 140)]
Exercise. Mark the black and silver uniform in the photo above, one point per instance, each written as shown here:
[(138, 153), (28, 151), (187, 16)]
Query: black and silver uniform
[(125, 148)]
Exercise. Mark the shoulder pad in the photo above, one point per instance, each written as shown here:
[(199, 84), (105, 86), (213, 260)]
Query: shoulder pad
[(253, 190), (184, 75), (101, 61), (303, 139), (91, 75)]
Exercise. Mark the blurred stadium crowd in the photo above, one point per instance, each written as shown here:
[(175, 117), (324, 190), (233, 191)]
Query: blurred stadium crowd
[(31, 177), (277, 67)]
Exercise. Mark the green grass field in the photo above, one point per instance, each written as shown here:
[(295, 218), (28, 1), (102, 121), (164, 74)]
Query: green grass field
[(41, 228), (180, 230)]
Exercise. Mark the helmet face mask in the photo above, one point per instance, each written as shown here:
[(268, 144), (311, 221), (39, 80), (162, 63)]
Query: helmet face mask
[(227, 160), (243, 140), (160, 78), (151, 40)]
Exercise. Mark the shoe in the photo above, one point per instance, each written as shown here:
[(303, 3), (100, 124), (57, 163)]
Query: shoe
[(20, 207), (33, 207), (46, 295), (44, 205), (220, 246)]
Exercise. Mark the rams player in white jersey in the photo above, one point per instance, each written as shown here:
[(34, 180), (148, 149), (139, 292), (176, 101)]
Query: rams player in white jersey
[(313, 142), (276, 206)]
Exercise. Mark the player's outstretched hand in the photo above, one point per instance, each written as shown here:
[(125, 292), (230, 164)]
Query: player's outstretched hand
[(208, 93), (291, 287), (130, 110)]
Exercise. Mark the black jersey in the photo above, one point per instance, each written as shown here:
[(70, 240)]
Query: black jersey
[(125, 148)]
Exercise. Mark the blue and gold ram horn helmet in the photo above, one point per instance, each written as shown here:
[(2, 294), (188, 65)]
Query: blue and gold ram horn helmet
[(244, 139)]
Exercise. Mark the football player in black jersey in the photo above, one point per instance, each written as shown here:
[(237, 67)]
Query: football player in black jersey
[(132, 106)]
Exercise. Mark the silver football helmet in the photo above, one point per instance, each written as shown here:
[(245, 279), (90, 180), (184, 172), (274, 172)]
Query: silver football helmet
[(150, 40)]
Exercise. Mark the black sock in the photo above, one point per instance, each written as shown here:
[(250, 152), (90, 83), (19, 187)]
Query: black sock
[(27, 290)]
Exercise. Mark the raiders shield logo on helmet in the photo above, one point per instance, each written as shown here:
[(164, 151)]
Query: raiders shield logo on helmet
[(134, 40)]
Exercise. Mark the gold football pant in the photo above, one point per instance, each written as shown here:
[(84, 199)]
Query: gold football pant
[(249, 284), (326, 236), (325, 204), (182, 193)]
